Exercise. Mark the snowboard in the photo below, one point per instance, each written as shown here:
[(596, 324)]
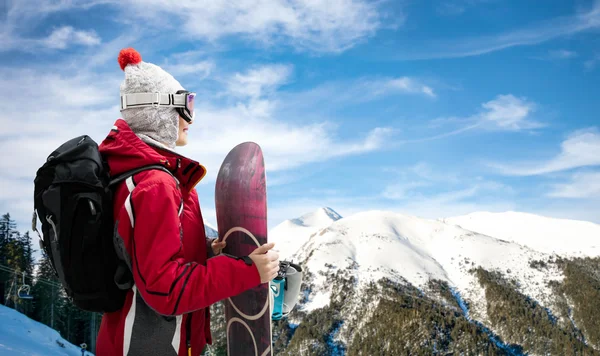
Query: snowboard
[(241, 209)]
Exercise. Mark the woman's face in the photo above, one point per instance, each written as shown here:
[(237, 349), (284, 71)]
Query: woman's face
[(182, 139)]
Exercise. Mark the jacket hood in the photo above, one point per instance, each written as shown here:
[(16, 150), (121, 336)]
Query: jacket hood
[(124, 151)]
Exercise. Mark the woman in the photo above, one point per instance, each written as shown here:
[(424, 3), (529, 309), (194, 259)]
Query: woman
[(159, 225)]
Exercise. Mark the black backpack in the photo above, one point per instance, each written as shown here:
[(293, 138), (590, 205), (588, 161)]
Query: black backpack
[(73, 198)]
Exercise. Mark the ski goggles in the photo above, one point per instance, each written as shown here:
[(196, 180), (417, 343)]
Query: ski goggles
[(182, 101)]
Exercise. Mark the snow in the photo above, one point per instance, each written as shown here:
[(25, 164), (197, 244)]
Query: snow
[(321, 217), (377, 244), (20, 335), (290, 235), (568, 238)]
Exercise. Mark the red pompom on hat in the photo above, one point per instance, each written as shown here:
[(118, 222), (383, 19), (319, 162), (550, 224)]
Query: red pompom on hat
[(129, 56)]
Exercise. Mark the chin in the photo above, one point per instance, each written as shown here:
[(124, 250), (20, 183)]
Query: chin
[(182, 139)]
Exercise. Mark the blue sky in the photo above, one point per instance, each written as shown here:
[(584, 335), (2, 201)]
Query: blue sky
[(430, 108)]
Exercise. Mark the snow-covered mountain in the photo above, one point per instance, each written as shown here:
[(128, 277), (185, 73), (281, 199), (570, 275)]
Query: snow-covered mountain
[(20, 335), (550, 235), (384, 244), (370, 246), (290, 235)]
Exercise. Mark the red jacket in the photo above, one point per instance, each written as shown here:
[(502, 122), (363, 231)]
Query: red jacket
[(160, 227)]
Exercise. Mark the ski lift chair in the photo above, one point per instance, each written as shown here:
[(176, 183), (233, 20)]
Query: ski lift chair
[(24, 291)]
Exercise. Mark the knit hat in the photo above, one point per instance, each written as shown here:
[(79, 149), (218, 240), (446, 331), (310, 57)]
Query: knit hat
[(154, 124)]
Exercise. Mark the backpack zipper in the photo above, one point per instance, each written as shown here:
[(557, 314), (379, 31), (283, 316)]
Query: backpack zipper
[(188, 330)]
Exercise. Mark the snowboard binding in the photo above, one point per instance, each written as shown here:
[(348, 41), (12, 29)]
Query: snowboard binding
[(285, 289)]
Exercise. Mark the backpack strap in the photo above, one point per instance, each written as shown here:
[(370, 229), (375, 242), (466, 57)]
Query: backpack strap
[(123, 278), (132, 172)]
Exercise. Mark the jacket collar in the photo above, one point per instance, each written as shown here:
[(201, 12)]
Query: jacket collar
[(124, 150)]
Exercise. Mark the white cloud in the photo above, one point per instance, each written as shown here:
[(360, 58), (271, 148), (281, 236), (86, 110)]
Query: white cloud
[(504, 113), (508, 112), (434, 209), (316, 25), (259, 81), (26, 10), (530, 35), (580, 149), (450, 9), (557, 55), (21, 16), (434, 200), (350, 92), (562, 54), (194, 64), (408, 85), (458, 7), (582, 185), (372, 88), (313, 25), (423, 171), (402, 191), (204, 68), (591, 64), (421, 182), (62, 37), (285, 145), (470, 189), (50, 103)]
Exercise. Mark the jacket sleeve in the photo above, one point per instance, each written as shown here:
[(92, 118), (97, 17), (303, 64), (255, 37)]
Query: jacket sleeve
[(167, 283)]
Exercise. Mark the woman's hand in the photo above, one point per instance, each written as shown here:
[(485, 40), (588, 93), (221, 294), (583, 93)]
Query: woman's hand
[(266, 261), (217, 246)]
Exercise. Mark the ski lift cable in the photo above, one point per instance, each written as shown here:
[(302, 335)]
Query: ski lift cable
[(38, 279)]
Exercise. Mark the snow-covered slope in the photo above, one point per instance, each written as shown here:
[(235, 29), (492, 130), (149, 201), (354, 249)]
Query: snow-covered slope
[(20, 335), (290, 235), (377, 244), (549, 235)]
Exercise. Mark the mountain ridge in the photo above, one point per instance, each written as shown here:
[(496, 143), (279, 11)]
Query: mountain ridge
[(378, 276), (575, 238), (377, 245)]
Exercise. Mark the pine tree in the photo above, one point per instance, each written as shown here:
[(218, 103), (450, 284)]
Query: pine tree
[(7, 225), (27, 263), (17, 262), (47, 294)]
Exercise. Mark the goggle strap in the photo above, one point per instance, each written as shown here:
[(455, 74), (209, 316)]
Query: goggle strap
[(136, 100)]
